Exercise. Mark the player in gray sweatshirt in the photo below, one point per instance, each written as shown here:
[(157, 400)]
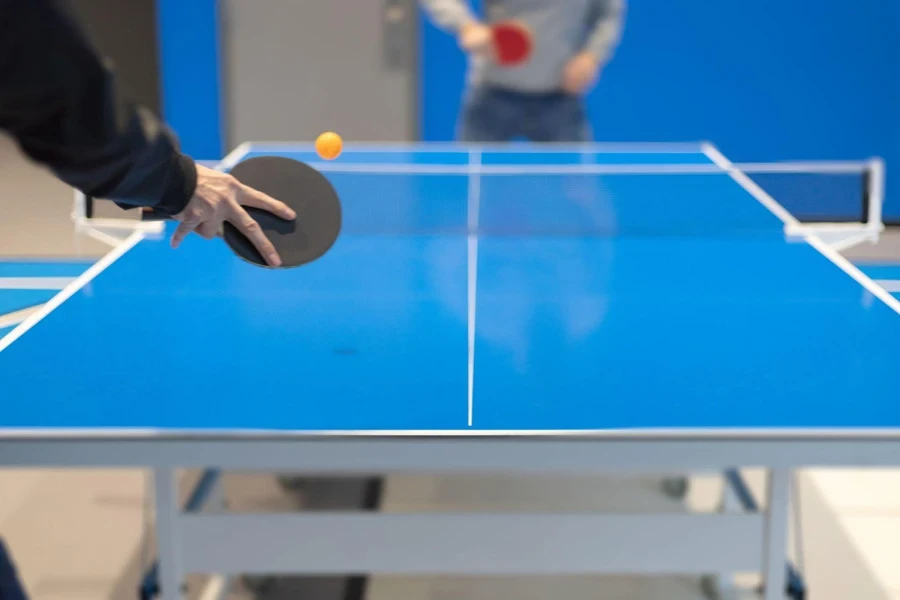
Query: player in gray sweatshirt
[(541, 99)]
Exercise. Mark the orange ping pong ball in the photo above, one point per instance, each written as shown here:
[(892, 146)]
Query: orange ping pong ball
[(329, 145)]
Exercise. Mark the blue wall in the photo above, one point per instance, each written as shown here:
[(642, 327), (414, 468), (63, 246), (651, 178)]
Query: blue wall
[(189, 59), (762, 79)]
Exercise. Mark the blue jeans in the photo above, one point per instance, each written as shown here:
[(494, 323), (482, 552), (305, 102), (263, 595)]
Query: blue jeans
[(498, 115)]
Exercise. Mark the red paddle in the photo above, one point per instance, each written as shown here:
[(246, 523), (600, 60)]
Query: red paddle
[(512, 43)]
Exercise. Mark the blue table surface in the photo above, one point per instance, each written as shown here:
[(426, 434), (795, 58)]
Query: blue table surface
[(603, 303)]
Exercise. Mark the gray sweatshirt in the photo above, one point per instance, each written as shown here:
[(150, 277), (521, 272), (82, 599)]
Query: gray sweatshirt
[(561, 29)]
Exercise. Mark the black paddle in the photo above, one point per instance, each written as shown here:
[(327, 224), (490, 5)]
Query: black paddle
[(301, 187)]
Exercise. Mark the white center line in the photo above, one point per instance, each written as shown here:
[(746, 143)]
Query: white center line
[(473, 208)]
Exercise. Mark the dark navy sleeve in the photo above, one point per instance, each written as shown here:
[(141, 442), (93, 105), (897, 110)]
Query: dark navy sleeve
[(60, 102)]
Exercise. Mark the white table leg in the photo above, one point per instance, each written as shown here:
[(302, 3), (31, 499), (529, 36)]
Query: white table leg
[(776, 534), (168, 547)]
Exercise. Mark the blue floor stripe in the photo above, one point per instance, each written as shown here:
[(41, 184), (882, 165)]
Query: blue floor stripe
[(4, 331), (38, 268), (881, 270), (13, 300)]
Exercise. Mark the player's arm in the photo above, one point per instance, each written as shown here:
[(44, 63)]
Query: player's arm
[(449, 15), (61, 104), (456, 16), (606, 22), (604, 25)]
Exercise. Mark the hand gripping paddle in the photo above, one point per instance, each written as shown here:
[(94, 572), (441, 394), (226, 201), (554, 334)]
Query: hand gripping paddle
[(512, 43), (307, 192), (304, 189)]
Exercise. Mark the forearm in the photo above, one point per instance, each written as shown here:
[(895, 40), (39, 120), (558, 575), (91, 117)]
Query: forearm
[(63, 107), (606, 31), (450, 15)]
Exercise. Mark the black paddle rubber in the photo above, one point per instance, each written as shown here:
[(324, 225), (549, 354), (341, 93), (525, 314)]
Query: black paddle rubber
[(304, 189)]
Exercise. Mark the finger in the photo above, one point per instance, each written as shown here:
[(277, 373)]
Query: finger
[(482, 41), (182, 231), (580, 83), (257, 199), (253, 232), (208, 230)]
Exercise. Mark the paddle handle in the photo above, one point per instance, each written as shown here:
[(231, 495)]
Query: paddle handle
[(148, 214)]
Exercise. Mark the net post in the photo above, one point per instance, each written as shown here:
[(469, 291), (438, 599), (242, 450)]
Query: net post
[(875, 195), (107, 231), (81, 206)]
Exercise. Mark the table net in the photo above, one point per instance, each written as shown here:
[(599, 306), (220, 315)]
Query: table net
[(588, 193), (573, 201)]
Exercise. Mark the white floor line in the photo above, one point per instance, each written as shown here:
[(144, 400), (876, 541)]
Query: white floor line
[(472, 274), (34, 283), (71, 289), (852, 241), (830, 253), (215, 588), (890, 285), (16, 317)]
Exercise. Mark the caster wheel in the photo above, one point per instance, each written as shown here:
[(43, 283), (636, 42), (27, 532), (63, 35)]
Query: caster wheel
[(709, 586), (675, 487), (258, 585), (293, 484)]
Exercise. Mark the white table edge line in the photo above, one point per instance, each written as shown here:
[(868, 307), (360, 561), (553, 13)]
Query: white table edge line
[(662, 434), (789, 220)]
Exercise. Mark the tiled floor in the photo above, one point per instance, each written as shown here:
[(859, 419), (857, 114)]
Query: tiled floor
[(887, 250), (89, 544), (39, 198), (73, 533), (878, 536), (866, 504)]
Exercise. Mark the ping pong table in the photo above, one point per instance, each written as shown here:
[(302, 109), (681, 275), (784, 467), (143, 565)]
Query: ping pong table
[(487, 309)]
